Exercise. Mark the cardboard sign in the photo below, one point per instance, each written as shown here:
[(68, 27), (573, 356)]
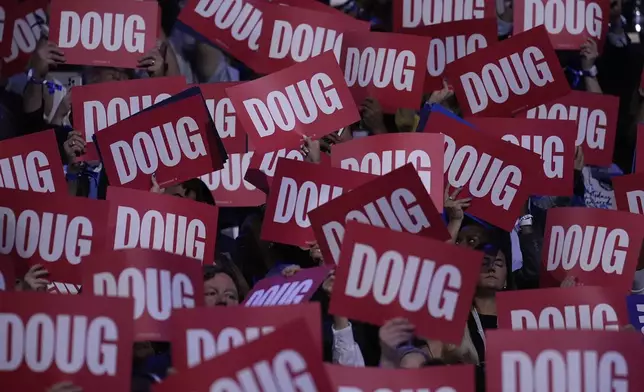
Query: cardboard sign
[(158, 282), (385, 66), (380, 154), (595, 246), (55, 230), (297, 189), (281, 290), (47, 339), (411, 14), (575, 308), (202, 334), (493, 172), (383, 274), (7, 10), (639, 150), (553, 141), (140, 219), (32, 163), (7, 277), (104, 33), (98, 106), (629, 192), (262, 166), (396, 201), (222, 112), (508, 77), (63, 288), (315, 5), (563, 360), (228, 186), (309, 98), (28, 18), (568, 23), (596, 116), (635, 305)]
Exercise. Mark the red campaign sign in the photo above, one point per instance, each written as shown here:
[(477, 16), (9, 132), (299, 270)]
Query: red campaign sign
[(553, 141), (63, 288), (563, 360), (80, 339), (569, 24), (508, 77), (222, 112), (55, 230), (411, 14), (26, 32), (104, 33), (284, 360), (596, 117), (380, 276), (385, 66), (228, 186), (158, 282), (135, 148), (262, 166), (597, 247), (639, 149), (381, 154), (629, 192), (281, 290), (140, 219), (397, 201), (297, 189), (491, 171), (7, 10), (575, 308), (102, 105), (202, 334), (32, 163), (7, 276)]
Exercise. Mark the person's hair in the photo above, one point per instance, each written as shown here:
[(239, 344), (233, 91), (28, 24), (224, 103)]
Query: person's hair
[(200, 189), (223, 265)]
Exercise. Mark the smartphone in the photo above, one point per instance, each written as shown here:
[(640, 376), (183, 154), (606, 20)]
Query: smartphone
[(68, 79)]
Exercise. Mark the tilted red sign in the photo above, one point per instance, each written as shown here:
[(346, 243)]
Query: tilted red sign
[(629, 192), (411, 14), (32, 163), (26, 32), (223, 115), (7, 13), (383, 274), (509, 76), (262, 166), (228, 186), (315, 5), (7, 277), (281, 290)]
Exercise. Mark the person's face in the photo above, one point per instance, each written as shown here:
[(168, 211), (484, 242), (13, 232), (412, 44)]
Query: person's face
[(220, 290), (493, 272), (471, 237), (180, 191), (615, 9), (106, 74)]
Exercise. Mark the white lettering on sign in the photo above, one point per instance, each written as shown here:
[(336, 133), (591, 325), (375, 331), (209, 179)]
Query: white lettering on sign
[(550, 150), (400, 212), (231, 177), (50, 236), (107, 30), (640, 317), (269, 160), (512, 74), (285, 110), (98, 116), (155, 293), (202, 345), (430, 12), (449, 49), (589, 247), (382, 276), (3, 283), (147, 150), (380, 67), (222, 113), (26, 33), (295, 201), (554, 370), (591, 124), (31, 172), (635, 201), (344, 388), (483, 175), (601, 317), (288, 293), (68, 343), (572, 16), (302, 42), (168, 232), (241, 18), (63, 288)]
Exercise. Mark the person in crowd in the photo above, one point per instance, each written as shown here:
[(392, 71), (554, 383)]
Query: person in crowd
[(223, 283)]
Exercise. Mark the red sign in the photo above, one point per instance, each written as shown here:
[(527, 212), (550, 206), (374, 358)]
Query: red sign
[(285, 360), (140, 219), (202, 334), (223, 115), (508, 77), (158, 282), (47, 339), (7, 276), (63, 288), (397, 201), (383, 274), (137, 147), (55, 230), (104, 33), (629, 192), (494, 173), (297, 189), (7, 10), (575, 308), (262, 167), (32, 163), (411, 14), (26, 33), (315, 5), (281, 290), (639, 149), (104, 104), (595, 246), (553, 141), (381, 154), (309, 98), (563, 361), (385, 66), (228, 186), (568, 23), (596, 116)]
